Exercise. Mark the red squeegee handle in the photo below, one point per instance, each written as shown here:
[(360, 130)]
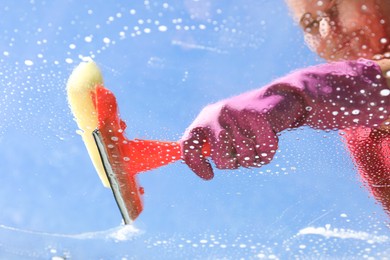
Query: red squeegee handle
[(146, 155)]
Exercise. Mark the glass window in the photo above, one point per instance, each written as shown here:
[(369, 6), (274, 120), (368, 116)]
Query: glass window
[(165, 61)]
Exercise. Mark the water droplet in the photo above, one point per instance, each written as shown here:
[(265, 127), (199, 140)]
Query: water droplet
[(28, 62), (385, 92), (162, 28), (356, 112), (88, 38)]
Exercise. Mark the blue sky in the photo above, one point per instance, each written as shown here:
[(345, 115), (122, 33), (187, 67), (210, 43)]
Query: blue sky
[(165, 60)]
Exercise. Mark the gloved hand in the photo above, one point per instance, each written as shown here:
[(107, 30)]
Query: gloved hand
[(242, 131), (237, 136)]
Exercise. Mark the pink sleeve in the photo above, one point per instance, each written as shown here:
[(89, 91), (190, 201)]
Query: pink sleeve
[(329, 96)]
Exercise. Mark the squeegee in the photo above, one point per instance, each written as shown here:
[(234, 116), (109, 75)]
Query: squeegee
[(116, 159)]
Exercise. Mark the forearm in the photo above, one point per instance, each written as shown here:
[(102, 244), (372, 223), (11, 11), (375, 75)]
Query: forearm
[(330, 96)]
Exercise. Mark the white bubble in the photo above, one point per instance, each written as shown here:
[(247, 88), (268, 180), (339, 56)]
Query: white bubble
[(57, 258), (162, 28), (106, 40), (6, 53), (356, 112), (202, 26), (69, 60), (132, 11), (385, 92), (147, 30), (86, 58), (88, 38), (28, 62), (72, 46)]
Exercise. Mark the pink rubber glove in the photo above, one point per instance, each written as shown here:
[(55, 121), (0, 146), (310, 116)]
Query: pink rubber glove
[(242, 130)]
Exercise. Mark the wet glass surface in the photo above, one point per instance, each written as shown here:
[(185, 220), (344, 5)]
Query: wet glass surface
[(165, 61)]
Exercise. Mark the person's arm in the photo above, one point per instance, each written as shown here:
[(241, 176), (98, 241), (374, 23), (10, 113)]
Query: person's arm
[(242, 130), (384, 64)]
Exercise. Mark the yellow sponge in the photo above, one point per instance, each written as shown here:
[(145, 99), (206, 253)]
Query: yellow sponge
[(81, 87)]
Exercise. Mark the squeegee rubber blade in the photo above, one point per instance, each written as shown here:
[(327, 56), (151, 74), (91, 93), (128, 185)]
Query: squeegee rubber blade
[(116, 186)]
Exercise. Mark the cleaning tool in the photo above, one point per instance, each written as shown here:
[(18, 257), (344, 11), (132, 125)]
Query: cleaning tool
[(116, 159)]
